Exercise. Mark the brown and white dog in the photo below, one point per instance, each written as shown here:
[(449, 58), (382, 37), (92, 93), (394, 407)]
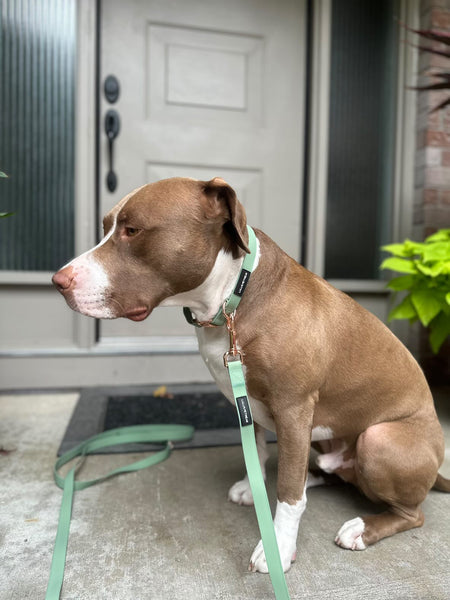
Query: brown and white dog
[(319, 367)]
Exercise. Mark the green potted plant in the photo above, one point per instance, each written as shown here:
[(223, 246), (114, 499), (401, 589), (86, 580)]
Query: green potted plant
[(425, 278), (425, 267)]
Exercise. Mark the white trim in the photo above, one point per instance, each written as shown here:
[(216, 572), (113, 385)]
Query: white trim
[(26, 278), (363, 286), (154, 344), (403, 205), (403, 192), (118, 346), (319, 131), (85, 128), (63, 372)]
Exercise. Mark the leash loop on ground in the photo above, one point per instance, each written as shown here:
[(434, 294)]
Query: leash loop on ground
[(159, 434)]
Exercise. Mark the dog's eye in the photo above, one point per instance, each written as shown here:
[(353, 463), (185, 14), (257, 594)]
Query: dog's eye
[(131, 231)]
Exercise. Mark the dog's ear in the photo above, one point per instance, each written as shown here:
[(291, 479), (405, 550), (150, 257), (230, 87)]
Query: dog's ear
[(223, 203)]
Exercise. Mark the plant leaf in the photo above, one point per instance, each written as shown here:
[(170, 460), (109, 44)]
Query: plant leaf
[(441, 85), (3, 174), (445, 268), (7, 214), (398, 284), (445, 53), (439, 330), (396, 249), (431, 34), (437, 251), (427, 305), (440, 236), (399, 264), (433, 271), (443, 104), (405, 310)]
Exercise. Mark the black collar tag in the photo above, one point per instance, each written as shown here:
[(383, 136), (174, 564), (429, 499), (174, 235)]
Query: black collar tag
[(242, 282)]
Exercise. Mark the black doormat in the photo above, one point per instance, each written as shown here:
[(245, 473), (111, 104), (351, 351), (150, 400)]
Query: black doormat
[(202, 406)]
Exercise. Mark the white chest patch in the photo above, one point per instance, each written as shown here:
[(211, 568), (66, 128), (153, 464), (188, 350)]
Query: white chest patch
[(213, 343)]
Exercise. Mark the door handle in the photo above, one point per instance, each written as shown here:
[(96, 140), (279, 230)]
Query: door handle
[(112, 128)]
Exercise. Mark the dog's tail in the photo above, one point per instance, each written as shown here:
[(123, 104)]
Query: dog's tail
[(442, 484)]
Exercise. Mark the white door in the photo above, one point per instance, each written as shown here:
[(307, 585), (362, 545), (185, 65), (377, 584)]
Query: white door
[(206, 89)]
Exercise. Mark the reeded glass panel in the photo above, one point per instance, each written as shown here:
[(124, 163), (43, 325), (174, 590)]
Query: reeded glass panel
[(37, 66), (361, 143)]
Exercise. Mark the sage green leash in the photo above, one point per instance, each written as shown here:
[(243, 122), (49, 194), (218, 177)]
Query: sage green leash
[(166, 434), (262, 507), (123, 435)]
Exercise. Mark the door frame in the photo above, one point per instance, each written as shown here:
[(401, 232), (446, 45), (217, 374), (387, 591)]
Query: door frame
[(372, 293)]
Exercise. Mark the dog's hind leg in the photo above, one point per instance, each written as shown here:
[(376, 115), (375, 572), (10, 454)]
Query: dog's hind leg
[(397, 465)]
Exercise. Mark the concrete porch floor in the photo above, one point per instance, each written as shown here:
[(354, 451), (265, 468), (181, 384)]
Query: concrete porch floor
[(169, 532)]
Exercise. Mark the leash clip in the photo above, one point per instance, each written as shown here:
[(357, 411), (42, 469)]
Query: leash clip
[(233, 353)]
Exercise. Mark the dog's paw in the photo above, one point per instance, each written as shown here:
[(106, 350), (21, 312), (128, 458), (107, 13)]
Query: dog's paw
[(315, 478), (350, 535), (241, 492), (258, 561)]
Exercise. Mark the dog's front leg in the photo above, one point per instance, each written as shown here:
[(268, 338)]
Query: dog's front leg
[(294, 439)]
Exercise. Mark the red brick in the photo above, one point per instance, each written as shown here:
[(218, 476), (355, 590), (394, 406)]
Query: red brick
[(436, 98), (445, 160), (430, 196), (437, 177), (437, 216), (435, 121), (439, 139), (440, 18)]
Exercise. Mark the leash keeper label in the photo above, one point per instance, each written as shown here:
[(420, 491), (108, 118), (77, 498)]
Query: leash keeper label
[(262, 507), (245, 415)]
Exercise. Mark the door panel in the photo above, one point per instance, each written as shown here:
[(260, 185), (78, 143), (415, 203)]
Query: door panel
[(207, 90)]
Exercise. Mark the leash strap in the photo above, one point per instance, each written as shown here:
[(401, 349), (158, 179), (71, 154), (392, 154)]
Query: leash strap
[(113, 437), (262, 507)]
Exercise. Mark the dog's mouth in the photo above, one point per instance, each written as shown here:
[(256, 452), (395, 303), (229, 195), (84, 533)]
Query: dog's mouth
[(138, 314)]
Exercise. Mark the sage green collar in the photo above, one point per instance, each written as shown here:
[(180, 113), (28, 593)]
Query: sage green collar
[(232, 302)]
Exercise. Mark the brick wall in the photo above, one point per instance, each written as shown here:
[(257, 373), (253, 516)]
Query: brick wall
[(432, 199), (432, 184)]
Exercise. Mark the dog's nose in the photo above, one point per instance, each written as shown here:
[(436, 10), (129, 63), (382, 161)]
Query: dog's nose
[(63, 279)]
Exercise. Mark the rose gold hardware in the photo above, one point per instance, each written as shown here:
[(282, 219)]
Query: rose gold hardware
[(234, 353)]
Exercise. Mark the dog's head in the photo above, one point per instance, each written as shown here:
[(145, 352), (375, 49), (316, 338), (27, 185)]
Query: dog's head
[(160, 240)]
